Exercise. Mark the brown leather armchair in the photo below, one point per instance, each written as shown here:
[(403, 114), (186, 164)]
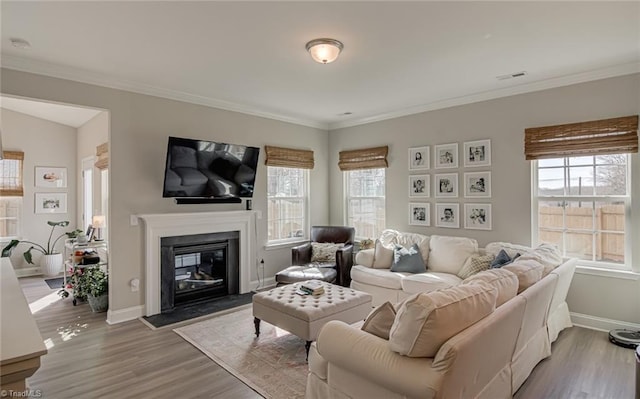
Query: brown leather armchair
[(301, 254)]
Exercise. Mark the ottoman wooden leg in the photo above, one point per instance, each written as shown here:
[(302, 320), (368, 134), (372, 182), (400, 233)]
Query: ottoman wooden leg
[(256, 323), (307, 346)]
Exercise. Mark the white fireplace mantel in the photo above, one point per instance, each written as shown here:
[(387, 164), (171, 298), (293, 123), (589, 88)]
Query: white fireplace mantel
[(162, 225)]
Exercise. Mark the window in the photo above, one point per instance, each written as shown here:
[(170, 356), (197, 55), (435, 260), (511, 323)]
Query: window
[(365, 191), (287, 196), (11, 192), (582, 204)]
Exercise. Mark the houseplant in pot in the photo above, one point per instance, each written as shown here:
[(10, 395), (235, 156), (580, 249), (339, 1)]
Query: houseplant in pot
[(51, 262), (94, 282)]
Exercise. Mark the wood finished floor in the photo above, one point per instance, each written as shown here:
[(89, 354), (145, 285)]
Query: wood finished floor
[(90, 359)]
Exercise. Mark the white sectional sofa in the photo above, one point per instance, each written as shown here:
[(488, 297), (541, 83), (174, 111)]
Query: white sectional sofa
[(491, 358)]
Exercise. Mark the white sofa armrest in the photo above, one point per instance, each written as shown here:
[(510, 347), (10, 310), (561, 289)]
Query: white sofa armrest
[(369, 357), (365, 257)]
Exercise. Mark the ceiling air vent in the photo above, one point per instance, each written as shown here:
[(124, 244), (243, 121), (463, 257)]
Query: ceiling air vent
[(512, 75)]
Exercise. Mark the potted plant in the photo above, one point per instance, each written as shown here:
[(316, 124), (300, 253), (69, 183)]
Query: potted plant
[(51, 262), (94, 283)]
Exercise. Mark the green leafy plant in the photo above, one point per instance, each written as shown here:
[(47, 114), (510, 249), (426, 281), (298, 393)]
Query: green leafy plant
[(48, 250), (93, 281)]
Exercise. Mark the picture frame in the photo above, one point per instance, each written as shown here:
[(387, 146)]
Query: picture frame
[(477, 216), (448, 215), (51, 202), (446, 185), (420, 214), (477, 185), (446, 156), (50, 177), (419, 186), (477, 153), (419, 158), (90, 232)]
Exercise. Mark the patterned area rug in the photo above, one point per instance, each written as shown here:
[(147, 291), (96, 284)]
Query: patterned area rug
[(273, 365)]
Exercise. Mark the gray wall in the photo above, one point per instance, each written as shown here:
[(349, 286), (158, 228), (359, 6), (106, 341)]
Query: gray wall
[(503, 121), (139, 128), (44, 143)]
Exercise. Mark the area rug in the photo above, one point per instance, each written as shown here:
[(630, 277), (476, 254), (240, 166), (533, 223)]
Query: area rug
[(273, 364), (54, 283)]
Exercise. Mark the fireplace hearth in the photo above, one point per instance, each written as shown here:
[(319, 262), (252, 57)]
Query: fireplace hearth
[(198, 267)]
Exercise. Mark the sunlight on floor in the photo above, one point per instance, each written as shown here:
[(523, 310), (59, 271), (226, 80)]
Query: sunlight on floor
[(66, 333), (280, 332), (49, 343), (44, 302)]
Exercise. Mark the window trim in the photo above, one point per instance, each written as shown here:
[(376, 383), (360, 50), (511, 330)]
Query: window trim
[(347, 197), (283, 242), (19, 219), (627, 266)]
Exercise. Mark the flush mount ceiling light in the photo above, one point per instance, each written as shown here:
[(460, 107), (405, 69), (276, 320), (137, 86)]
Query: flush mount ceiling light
[(19, 43), (324, 51)]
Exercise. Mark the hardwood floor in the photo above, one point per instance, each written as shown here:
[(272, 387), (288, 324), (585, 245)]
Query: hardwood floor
[(90, 359)]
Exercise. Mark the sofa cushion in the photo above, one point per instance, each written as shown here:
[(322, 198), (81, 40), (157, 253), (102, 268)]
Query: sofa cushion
[(379, 277), (426, 321), (547, 254), (448, 254), (528, 271), (380, 320), (409, 239), (382, 255), (322, 252), (408, 260), (475, 264), (501, 279), (427, 282)]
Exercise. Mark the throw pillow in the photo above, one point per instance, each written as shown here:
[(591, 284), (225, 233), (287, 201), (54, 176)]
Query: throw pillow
[(382, 256), (426, 321), (322, 252), (475, 264), (380, 320), (408, 260), (503, 259), (501, 279), (527, 271)]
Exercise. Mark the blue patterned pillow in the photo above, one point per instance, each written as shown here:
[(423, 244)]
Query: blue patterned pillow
[(408, 260), (503, 259)]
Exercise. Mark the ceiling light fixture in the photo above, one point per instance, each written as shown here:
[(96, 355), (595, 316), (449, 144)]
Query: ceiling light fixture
[(20, 43), (324, 51)]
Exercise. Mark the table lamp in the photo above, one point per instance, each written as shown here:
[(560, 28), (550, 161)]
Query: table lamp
[(98, 224)]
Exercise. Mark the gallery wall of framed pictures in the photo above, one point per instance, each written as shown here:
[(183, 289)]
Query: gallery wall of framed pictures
[(451, 188), (51, 178)]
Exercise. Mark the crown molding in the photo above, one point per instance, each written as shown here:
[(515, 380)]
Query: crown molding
[(610, 72), (99, 79)]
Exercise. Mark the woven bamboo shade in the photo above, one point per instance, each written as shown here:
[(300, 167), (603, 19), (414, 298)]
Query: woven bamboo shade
[(607, 136), (367, 158), (289, 157), (102, 155), (11, 174)]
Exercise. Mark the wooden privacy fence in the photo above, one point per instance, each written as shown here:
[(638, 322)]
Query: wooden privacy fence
[(580, 230)]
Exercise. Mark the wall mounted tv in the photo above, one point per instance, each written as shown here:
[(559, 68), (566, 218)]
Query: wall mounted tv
[(208, 169)]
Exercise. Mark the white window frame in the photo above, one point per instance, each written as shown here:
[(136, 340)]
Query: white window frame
[(348, 197), (20, 201), (305, 212), (627, 199)]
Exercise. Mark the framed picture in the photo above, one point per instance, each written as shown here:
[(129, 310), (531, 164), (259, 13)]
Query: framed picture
[(446, 185), (419, 214), (448, 215), (419, 158), (477, 216), (477, 153), (477, 185), (51, 203), (51, 177), (446, 156), (419, 186)]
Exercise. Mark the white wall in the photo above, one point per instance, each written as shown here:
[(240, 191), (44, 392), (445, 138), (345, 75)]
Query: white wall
[(44, 143), (503, 121), (139, 127)]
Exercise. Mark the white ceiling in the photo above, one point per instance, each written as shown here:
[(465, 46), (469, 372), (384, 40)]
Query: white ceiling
[(398, 57), (59, 113)]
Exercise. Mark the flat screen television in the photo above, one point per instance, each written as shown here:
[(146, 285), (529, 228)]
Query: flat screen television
[(208, 169)]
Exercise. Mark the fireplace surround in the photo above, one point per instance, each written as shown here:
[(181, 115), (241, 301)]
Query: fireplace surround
[(158, 226)]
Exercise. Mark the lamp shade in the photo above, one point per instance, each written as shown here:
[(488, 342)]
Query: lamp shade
[(324, 51), (98, 221)]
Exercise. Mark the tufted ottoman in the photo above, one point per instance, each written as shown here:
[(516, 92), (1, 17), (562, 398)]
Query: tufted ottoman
[(304, 315)]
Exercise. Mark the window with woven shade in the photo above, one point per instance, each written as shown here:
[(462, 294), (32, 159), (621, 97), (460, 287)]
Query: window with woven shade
[(102, 156), (582, 189), (366, 158), (11, 193), (287, 193)]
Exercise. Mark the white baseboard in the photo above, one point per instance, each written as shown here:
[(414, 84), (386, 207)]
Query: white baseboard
[(599, 323), (267, 283), (28, 272), (126, 314)]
